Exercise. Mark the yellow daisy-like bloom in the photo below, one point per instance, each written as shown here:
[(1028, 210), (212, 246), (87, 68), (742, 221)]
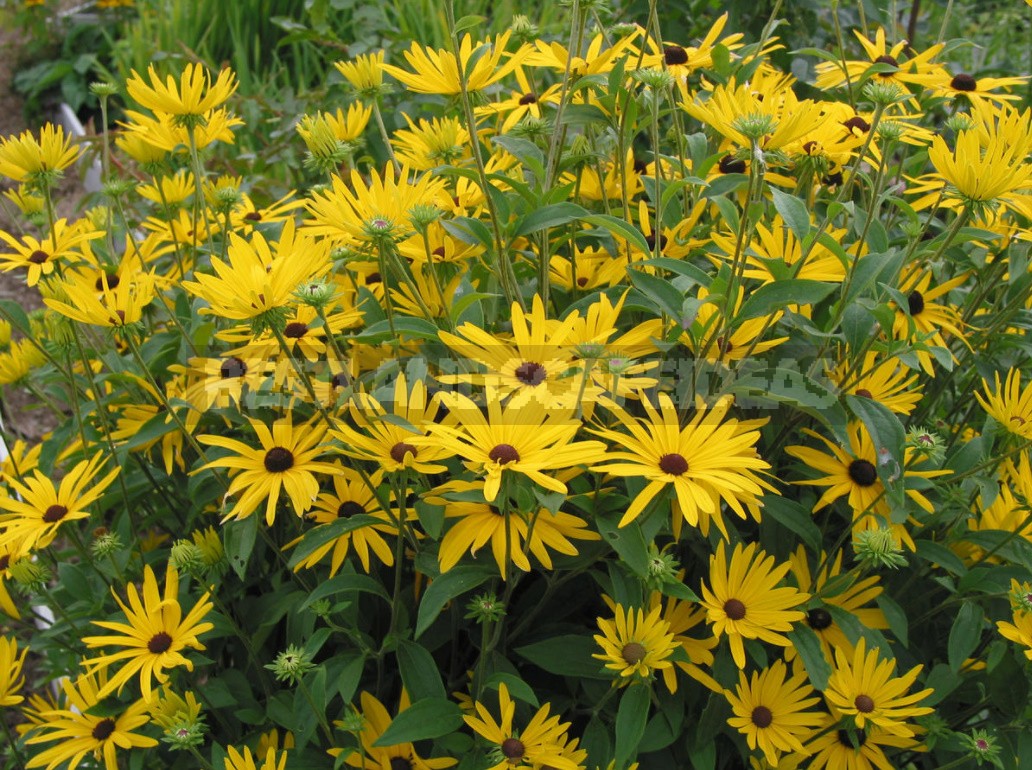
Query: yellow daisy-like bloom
[(526, 439), (1009, 405), (681, 61), (169, 190), (340, 125), (351, 496), (194, 94), (170, 710), (1020, 631), (480, 523), (431, 143), (364, 73), (234, 760), (23, 356), (438, 72), (865, 688), (65, 243), (154, 637), (11, 679), (149, 139), (541, 743), (115, 304), (834, 748), (522, 102), (771, 711), (710, 460), (27, 158), (778, 243), (634, 645), (969, 88), (260, 277), (886, 381), (80, 732), (8, 555), (247, 215), (375, 721), (354, 215), (598, 58), (39, 507), (830, 73), (745, 602), (286, 460), (704, 338)]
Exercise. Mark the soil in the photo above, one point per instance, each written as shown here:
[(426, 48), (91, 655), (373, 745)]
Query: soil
[(22, 415)]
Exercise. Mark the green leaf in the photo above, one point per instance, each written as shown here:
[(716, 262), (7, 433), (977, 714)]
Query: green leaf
[(346, 584), (659, 291), (619, 229), (566, 655), (888, 436), (964, 635), (238, 541), (548, 216), (935, 553), (631, 718), (424, 719), (680, 267), (516, 686), (628, 542), (468, 22), (775, 296), (793, 211), (443, 589), (324, 533), (897, 618), (419, 671), (808, 645), (794, 517)]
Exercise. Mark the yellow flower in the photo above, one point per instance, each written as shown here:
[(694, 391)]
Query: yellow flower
[(11, 679), (236, 761), (364, 73), (27, 158), (901, 70), (864, 687), (194, 94), (745, 602), (438, 72), (115, 304), (1019, 632), (1010, 406), (635, 644), (68, 244)]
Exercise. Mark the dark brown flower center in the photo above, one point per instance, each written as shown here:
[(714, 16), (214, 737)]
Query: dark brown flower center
[(818, 619), (632, 653), (295, 330), (399, 450), (858, 123), (734, 609), (349, 508), (504, 454), (278, 460), (674, 55), (729, 164), (339, 380), (103, 729), (5, 560), (232, 367), (761, 716), (864, 393), (512, 748), (651, 241), (373, 278), (531, 373), (54, 513), (964, 82), (528, 98), (253, 216), (111, 279), (38, 257), (400, 763), (864, 704), (915, 302), (582, 281), (845, 739), (886, 59), (724, 345), (119, 317), (674, 464), (159, 643), (863, 472)]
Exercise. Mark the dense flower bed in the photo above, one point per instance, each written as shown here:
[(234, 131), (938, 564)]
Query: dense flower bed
[(643, 407)]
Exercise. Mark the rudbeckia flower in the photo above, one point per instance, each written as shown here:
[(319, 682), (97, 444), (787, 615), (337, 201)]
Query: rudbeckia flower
[(902, 63), (116, 303), (744, 601), (884, 380), (438, 72), (634, 645), (1009, 405), (11, 679), (81, 732), (864, 686), (65, 243), (246, 761), (770, 709), (1019, 632), (193, 95), (835, 748), (923, 321), (154, 636), (26, 158)]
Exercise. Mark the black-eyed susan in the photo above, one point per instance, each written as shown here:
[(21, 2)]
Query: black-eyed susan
[(512, 535), (226, 380), (375, 721), (967, 88), (681, 61), (66, 244), (193, 95), (1018, 630), (521, 103), (710, 460), (11, 678), (901, 63), (1009, 405), (479, 63), (270, 760), (775, 247), (154, 637), (80, 731), (351, 496), (601, 55), (389, 433), (744, 601), (286, 460), (426, 144), (837, 748), (117, 303), (542, 742), (771, 711), (247, 215), (152, 138), (635, 645), (364, 73), (885, 380), (708, 336), (26, 158), (8, 555), (864, 687), (33, 515), (527, 440)]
